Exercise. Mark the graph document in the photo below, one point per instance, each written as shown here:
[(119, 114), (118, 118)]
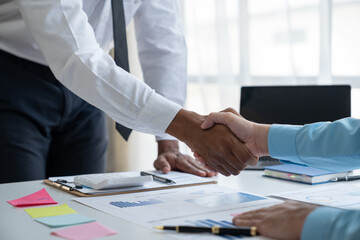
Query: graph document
[(205, 205), (341, 195)]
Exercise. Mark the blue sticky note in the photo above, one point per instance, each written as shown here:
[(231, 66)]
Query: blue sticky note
[(64, 220)]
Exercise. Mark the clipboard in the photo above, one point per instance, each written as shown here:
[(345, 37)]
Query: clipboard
[(181, 179)]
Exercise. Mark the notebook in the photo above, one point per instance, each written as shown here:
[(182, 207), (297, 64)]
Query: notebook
[(302, 174)]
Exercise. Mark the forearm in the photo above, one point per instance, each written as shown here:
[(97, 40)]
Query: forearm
[(327, 145), (183, 124), (168, 146)]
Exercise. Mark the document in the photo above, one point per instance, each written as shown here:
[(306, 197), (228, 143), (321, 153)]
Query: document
[(181, 179), (341, 195), (205, 205)]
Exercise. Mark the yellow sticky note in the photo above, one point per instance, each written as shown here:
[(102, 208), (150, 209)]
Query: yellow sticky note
[(49, 211)]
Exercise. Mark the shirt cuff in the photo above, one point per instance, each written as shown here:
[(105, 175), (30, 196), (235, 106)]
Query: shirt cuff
[(318, 223), (282, 142), (157, 114), (165, 137)]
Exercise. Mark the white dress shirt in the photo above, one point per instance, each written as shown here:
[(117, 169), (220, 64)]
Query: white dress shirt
[(73, 38)]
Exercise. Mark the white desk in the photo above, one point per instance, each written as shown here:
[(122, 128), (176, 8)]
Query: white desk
[(15, 223)]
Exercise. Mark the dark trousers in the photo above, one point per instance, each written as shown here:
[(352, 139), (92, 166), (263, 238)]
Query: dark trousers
[(45, 130)]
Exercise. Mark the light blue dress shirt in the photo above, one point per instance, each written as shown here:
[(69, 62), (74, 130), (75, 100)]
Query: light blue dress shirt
[(333, 146)]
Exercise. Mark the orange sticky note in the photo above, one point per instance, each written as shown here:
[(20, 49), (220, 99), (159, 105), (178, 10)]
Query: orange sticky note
[(85, 231), (41, 197)]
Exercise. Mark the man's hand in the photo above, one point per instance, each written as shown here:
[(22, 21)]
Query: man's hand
[(219, 147), (253, 135), (169, 158), (282, 221)]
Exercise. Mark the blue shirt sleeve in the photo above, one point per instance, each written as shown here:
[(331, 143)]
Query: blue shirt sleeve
[(332, 146), (332, 223)]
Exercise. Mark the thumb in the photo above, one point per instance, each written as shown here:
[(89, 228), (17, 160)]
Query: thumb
[(162, 164), (212, 119)]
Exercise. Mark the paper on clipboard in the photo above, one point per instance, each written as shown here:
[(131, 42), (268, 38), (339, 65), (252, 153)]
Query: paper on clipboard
[(181, 179)]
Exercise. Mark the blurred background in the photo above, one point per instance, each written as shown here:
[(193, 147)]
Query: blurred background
[(234, 43)]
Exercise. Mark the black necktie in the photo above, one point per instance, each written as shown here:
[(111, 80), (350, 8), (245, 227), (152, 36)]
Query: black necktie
[(120, 49)]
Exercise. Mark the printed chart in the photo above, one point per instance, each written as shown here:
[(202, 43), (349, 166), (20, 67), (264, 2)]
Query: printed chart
[(122, 204), (206, 205), (341, 195)]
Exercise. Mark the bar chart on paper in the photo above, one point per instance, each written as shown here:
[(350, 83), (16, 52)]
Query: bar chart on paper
[(124, 204), (206, 205)]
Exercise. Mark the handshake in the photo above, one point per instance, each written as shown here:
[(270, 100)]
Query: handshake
[(224, 141)]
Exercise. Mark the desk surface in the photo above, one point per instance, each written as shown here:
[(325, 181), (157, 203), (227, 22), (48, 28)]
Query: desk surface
[(15, 223)]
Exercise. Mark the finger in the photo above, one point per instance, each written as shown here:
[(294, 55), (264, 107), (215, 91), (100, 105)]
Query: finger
[(222, 164), (244, 156), (245, 223), (196, 163), (209, 172), (228, 166), (214, 164), (184, 165), (202, 162), (254, 215), (221, 170), (161, 163), (232, 164), (217, 160)]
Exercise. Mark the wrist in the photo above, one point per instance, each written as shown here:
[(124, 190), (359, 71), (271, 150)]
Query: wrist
[(168, 146), (261, 132), (184, 123)]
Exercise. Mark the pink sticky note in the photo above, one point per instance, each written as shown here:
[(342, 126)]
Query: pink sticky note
[(41, 197), (85, 231)]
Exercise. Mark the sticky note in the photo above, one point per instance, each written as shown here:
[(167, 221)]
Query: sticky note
[(85, 231), (49, 211), (64, 220), (41, 197)]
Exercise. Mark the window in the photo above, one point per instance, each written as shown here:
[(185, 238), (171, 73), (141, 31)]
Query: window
[(259, 42), (346, 38)]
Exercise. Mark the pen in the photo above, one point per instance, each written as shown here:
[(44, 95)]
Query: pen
[(63, 183), (347, 178), (157, 178), (245, 231)]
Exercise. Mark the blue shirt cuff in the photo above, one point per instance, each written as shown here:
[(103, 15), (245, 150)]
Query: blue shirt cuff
[(282, 142), (318, 224)]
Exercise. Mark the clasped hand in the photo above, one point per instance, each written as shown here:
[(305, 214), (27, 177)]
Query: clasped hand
[(250, 135), (215, 144)]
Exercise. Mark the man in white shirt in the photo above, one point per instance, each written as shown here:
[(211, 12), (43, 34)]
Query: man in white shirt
[(57, 74)]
